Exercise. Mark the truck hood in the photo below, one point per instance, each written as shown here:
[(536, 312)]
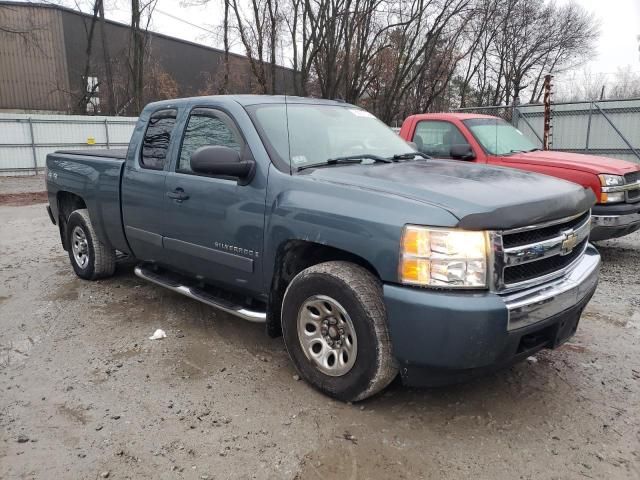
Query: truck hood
[(481, 197), (575, 161)]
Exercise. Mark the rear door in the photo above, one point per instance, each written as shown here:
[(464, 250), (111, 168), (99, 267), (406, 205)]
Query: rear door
[(143, 186), (214, 226)]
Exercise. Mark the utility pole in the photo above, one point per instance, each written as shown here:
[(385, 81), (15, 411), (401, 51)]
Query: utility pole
[(547, 142)]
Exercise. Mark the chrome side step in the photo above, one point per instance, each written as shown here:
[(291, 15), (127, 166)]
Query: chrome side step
[(201, 296)]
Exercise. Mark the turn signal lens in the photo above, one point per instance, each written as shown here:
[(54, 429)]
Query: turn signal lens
[(415, 241), (415, 270)]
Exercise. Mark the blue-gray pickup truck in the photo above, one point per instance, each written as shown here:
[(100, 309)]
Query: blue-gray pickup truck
[(368, 257)]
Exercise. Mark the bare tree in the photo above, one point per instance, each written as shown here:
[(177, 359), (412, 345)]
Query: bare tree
[(89, 88), (106, 56), (259, 33), (534, 39), (626, 84), (141, 13), (422, 53)]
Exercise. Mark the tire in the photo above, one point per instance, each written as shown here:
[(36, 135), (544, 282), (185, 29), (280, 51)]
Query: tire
[(349, 298), (89, 257)]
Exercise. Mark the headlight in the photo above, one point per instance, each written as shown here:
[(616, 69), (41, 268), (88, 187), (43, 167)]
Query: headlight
[(610, 185), (611, 180), (438, 257)]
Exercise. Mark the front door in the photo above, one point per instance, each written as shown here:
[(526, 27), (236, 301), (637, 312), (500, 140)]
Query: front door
[(214, 226)]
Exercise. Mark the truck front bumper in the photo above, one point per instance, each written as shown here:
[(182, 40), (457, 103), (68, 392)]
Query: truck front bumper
[(442, 337), (613, 221)]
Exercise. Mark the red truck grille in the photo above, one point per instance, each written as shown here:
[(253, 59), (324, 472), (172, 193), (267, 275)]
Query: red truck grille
[(633, 195)]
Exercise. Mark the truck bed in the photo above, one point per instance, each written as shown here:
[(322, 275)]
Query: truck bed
[(93, 176)]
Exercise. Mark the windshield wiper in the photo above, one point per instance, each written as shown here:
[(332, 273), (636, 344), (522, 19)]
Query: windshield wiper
[(525, 151), (409, 156), (347, 160)]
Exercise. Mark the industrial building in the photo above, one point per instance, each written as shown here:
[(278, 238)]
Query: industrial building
[(44, 64)]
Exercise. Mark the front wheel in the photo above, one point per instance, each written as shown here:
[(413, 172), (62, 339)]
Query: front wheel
[(335, 330), (90, 258)]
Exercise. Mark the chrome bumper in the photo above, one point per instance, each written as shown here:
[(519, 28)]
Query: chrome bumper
[(533, 305), (614, 220)]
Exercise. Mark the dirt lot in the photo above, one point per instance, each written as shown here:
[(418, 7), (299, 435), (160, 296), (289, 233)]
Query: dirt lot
[(23, 190), (85, 394)]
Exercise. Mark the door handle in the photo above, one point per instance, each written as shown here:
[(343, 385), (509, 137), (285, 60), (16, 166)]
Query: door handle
[(178, 194)]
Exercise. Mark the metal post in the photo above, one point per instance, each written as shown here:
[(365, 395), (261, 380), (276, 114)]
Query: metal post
[(589, 125), (106, 132), (515, 113), (33, 148), (547, 142), (624, 139)]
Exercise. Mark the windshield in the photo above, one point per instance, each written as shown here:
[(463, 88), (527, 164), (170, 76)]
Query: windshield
[(499, 137), (317, 133)]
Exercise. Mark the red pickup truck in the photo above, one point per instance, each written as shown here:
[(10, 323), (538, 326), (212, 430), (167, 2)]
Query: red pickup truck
[(491, 140)]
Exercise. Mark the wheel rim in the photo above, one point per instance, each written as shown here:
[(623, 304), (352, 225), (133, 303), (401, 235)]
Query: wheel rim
[(80, 247), (327, 335)]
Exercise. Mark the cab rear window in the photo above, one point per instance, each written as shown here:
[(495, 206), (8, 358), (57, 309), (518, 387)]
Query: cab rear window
[(157, 138)]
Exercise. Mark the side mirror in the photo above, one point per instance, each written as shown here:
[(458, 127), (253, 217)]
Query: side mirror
[(462, 152), (222, 161)]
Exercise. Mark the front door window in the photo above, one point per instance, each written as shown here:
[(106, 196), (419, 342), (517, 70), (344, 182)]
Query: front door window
[(436, 138)]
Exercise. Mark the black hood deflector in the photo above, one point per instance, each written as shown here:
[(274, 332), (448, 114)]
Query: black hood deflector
[(541, 211)]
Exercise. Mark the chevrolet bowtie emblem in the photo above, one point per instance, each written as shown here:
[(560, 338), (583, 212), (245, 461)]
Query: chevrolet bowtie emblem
[(569, 243)]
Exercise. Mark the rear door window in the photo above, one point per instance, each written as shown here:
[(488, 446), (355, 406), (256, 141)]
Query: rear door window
[(157, 138), (207, 126), (436, 138)]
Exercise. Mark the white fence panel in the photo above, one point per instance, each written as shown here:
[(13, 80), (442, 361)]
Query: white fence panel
[(25, 140)]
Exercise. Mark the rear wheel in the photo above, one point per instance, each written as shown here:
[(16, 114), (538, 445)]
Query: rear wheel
[(89, 257), (334, 328)]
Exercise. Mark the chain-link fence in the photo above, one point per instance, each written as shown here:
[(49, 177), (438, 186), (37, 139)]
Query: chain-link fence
[(608, 127)]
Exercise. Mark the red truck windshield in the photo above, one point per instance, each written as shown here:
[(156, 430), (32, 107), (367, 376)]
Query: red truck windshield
[(498, 137)]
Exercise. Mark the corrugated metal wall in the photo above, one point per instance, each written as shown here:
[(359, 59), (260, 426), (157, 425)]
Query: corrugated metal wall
[(25, 140), (33, 68), (608, 128)]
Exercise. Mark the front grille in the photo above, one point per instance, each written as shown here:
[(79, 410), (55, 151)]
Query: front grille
[(632, 177), (632, 195), (538, 252), (537, 235), (529, 271)]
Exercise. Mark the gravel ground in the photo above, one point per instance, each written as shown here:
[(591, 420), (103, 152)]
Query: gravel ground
[(22, 184), (85, 394), (24, 190)]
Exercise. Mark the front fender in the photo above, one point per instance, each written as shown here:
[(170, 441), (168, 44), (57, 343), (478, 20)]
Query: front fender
[(363, 222)]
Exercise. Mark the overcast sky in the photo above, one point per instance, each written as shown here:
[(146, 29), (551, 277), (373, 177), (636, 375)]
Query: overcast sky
[(620, 27)]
